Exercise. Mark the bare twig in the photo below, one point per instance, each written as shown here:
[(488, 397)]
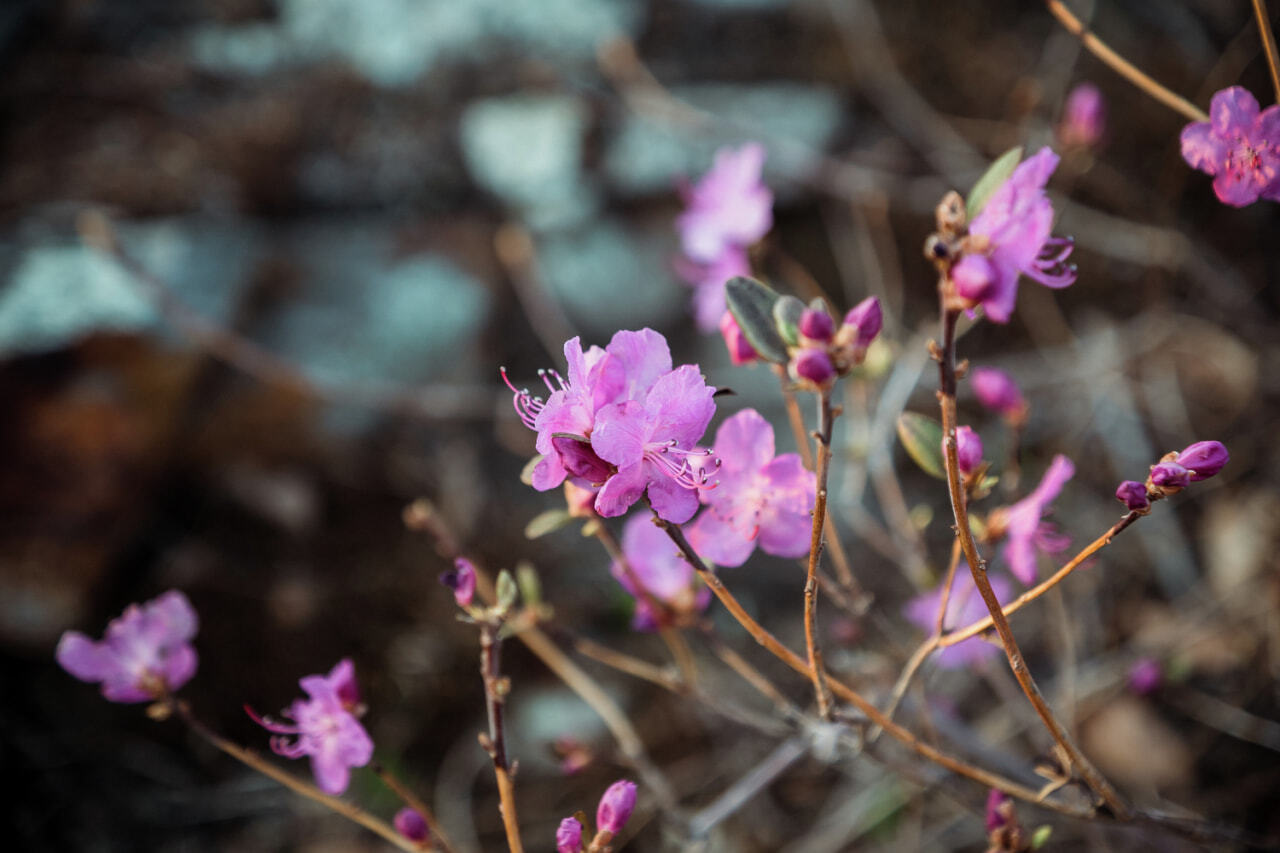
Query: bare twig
[(822, 445), (413, 801), (1268, 44), (495, 694)]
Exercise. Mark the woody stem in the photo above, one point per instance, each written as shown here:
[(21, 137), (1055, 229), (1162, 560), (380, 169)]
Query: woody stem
[(822, 447), (495, 691)]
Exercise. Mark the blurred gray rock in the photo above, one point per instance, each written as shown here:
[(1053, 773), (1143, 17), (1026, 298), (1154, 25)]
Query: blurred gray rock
[(527, 150), (647, 156)]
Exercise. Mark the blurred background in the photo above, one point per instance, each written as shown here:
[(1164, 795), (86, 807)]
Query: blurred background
[(335, 219)]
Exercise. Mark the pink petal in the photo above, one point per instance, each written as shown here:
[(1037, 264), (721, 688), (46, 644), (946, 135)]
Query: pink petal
[(791, 486), (744, 442), (621, 432), (672, 501), (1003, 296), (786, 534), (1234, 189), (179, 617), (681, 405), (644, 356), (83, 658), (179, 666), (1202, 149), (548, 473), (718, 541), (1020, 554), (622, 490), (1232, 111), (654, 559)]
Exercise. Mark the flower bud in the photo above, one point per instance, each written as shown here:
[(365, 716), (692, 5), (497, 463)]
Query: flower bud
[(1204, 459), (997, 391), (1084, 117), (817, 325), (740, 349), (997, 813), (411, 825), (867, 317), (1170, 475), (616, 806), (1145, 676), (813, 365), (1133, 495), (974, 276), (462, 580), (579, 501), (968, 449), (569, 836)]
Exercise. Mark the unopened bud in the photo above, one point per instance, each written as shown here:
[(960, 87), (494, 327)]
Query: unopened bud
[(997, 812), (569, 836), (1145, 676), (616, 806), (462, 580), (1133, 495), (997, 391), (1204, 459), (740, 349), (813, 365), (817, 325), (1084, 117), (968, 449), (867, 317), (411, 825), (1170, 476), (974, 276)]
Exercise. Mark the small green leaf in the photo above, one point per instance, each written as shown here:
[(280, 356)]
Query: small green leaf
[(507, 591), (591, 528), (752, 306), (530, 584), (526, 473), (786, 318), (996, 174), (547, 522), (922, 437), (1040, 837)]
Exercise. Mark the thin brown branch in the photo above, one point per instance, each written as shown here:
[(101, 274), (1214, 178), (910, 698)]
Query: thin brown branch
[(822, 448), (1268, 44), (978, 568), (437, 837), (495, 692), (1122, 66)]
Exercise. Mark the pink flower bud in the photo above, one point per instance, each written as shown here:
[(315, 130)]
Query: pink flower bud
[(740, 349), (997, 391), (1145, 676), (1170, 475), (995, 816), (968, 449), (1204, 459), (411, 825), (974, 276), (817, 325), (616, 806), (1133, 495), (1084, 117), (579, 501), (814, 365), (868, 319), (569, 836), (462, 580)]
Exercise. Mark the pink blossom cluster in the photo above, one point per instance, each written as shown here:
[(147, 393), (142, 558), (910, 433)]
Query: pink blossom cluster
[(824, 352), (612, 814), (625, 424)]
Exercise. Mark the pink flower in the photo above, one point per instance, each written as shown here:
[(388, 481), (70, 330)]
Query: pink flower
[(651, 441), (145, 653), (964, 606), (1239, 146), (615, 807), (728, 208), (462, 580), (997, 391), (1010, 237), (1024, 529), (1084, 117), (569, 836), (325, 727), (707, 280), (661, 571), (762, 498)]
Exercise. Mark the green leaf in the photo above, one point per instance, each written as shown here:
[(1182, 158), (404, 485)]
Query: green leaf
[(922, 437), (526, 473), (752, 306), (786, 318), (507, 591), (530, 584), (996, 174), (547, 522), (1040, 837)]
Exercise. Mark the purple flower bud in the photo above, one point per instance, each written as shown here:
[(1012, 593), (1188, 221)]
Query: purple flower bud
[(1145, 676), (868, 319), (995, 817), (968, 449), (997, 391), (740, 349), (462, 580), (616, 806), (1204, 459), (1084, 117), (411, 825), (813, 365), (1170, 475), (569, 836), (1133, 495), (817, 325), (974, 276)]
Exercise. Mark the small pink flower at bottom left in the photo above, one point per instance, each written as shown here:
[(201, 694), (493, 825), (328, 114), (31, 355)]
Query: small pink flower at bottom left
[(325, 728), (145, 652)]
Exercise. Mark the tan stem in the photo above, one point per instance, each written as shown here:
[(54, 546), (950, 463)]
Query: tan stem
[(1268, 44), (822, 447)]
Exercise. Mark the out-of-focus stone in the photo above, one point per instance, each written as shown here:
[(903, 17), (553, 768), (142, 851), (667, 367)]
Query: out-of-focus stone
[(1135, 747)]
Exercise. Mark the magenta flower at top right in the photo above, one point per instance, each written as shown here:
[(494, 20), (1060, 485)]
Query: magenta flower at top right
[(1239, 145)]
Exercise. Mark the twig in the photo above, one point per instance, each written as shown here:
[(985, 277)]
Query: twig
[(1268, 44), (495, 693), (515, 250), (822, 445), (413, 801), (1124, 67), (350, 811), (628, 664), (946, 356)]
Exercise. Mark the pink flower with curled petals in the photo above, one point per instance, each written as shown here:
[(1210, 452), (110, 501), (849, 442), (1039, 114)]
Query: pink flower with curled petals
[(729, 208), (652, 442), (1024, 528), (762, 498), (145, 653), (964, 606), (1009, 238), (1239, 145), (325, 728), (657, 566)]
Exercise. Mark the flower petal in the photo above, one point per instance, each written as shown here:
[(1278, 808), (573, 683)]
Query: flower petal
[(644, 356), (1235, 188), (719, 541), (1202, 149), (621, 432), (744, 442), (83, 658), (1233, 110), (622, 490), (672, 501), (786, 534)]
